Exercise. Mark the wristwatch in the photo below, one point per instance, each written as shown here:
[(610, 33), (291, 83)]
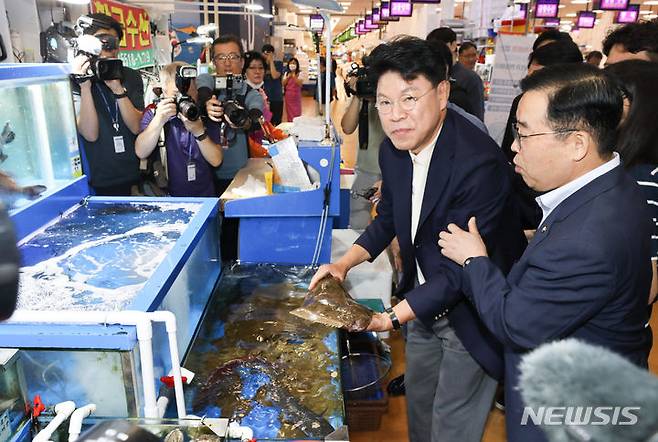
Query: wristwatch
[(201, 137), (394, 318), (122, 94)]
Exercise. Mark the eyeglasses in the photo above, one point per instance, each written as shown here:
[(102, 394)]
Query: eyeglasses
[(407, 103), (230, 57), (518, 137)]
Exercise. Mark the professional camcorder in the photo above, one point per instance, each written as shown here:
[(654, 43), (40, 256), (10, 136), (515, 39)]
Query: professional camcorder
[(101, 68), (364, 87)]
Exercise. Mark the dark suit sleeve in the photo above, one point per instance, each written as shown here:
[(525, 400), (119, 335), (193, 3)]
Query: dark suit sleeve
[(381, 231), (563, 286), (482, 193), (475, 94)]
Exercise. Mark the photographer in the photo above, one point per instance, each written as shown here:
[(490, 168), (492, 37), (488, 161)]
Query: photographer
[(228, 59), (109, 113), (361, 114), (191, 154)]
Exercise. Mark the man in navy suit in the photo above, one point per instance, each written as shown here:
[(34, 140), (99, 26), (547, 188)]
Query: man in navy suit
[(437, 168), (586, 272)]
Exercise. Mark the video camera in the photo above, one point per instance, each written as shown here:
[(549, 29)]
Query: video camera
[(101, 68), (184, 103), (91, 46), (234, 112), (364, 87)]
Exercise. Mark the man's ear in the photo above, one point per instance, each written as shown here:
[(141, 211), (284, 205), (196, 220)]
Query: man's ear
[(443, 92), (582, 144)]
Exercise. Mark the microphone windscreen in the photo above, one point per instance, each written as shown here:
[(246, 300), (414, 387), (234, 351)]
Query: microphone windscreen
[(578, 391)]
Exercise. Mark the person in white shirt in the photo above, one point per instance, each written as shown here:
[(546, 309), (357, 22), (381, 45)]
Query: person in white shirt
[(437, 168)]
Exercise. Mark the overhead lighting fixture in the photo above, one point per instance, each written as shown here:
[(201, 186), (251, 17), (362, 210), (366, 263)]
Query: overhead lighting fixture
[(571, 14), (645, 12), (76, 2), (266, 15), (651, 3), (254, 7), (579, 2), (561, 6)]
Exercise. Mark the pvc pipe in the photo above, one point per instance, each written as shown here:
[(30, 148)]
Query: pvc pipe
[(135, 318), (170, 325), (63, 410), (75, 424)]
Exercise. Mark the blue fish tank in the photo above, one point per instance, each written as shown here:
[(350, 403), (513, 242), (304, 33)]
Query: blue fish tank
[(91, 265)]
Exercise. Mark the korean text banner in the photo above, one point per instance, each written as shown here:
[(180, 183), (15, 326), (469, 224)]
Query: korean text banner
[(136, 48)]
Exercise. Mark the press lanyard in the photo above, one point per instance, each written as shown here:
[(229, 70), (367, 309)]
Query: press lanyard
[(115, 117)]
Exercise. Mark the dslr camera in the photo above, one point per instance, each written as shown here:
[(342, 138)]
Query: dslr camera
[(184, 103), (364, 87), (234, 112)]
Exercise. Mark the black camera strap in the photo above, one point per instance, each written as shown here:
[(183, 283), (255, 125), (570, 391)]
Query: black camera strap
[(363, 125), (115, 117)]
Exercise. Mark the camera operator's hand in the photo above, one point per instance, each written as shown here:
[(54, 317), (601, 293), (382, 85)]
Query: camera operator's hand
[(195, 127), (165, 109), (352, 82), (214, 109), (80, 66), (115, 86)]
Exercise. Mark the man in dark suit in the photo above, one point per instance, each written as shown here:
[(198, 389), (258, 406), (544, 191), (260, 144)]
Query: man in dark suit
[(586, 272), (437, 168)]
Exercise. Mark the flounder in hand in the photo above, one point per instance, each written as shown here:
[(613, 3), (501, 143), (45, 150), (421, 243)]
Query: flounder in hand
[(330, 304)]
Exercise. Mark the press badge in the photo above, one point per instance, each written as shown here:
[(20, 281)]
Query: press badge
[(118, 144), (191, 172)]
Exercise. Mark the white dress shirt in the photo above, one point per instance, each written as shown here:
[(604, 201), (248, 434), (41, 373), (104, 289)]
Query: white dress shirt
[(550, 200), (421, 166)]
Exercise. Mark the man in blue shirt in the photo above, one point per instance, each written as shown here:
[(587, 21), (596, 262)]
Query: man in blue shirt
[(228, 58)]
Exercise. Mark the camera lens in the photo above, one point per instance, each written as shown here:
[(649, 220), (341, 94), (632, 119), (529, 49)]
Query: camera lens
[(189, 109)]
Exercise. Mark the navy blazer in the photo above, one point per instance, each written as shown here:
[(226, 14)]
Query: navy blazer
[(468, 176), (586, 274)]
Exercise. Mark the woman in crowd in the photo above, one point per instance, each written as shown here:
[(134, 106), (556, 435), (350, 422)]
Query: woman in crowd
[(638, 136), (254, 72), (292, 87)]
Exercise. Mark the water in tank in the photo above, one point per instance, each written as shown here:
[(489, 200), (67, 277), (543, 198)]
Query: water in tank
[(38, 138), (99, 255)]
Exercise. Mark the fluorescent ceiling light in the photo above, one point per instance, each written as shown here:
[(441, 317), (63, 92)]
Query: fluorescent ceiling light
[(76, 2), (561, 6), (651, 2), (571, 14), (254, 7), (266, 15), (598, 11), (579, 2), (648, 11)]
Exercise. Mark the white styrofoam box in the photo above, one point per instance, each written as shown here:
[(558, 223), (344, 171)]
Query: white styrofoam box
[(368, 280)]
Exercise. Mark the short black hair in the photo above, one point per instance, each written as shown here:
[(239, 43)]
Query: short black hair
[(580, 96), (444, 52), (550, 35), (638, 133), (410, 57), (228, 38), (635, 37), (267, 48), (562, 51), (466, 46), (103, 21), (443, 34), (594, 54), (250, 57)]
